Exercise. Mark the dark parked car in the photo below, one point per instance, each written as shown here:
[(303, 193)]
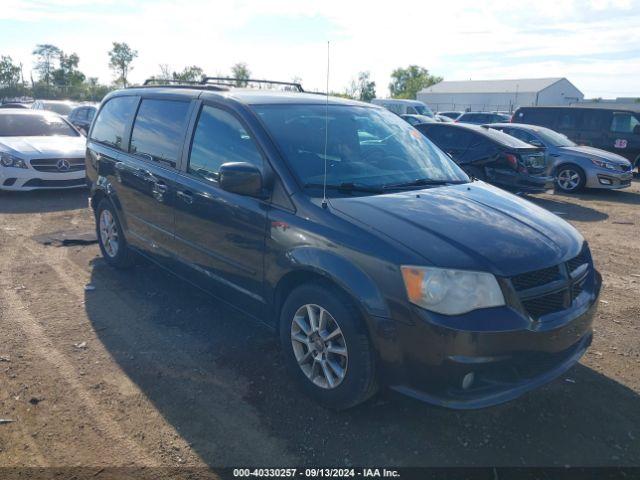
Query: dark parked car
[(406, 274), (453, 115), (609, 128), (417, 119), (82, 116), (480, 118), (493, 156), (574, 166)]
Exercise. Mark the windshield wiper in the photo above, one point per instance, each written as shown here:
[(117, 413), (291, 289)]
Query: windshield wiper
[(347, 187), (421, 182)]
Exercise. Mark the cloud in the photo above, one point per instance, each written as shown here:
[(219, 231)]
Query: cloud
[(285, 38)]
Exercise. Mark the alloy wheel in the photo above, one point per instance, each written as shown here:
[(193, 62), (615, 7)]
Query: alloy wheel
[(109, 233), (319, 346), (568, 179)]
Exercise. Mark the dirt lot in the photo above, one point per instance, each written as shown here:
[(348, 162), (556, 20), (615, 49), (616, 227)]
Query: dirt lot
[(144, 371)]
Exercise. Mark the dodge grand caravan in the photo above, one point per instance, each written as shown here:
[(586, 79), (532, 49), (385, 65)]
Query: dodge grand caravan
[(377, 260)]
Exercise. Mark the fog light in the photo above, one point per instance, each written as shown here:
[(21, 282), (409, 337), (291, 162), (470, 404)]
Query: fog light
[(605, 181), (467, 380)]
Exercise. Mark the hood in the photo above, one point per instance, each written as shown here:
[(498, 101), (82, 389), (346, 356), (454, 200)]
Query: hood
[(598, 153), (472, 226), (44, 147)]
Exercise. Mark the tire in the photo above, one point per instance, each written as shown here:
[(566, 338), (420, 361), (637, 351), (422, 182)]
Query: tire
[(570, 178), (117, 253), (358, 382)]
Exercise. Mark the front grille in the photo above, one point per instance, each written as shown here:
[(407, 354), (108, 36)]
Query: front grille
[(37, 182), (51, 164), (545, 304), (535, 278), (552, 301), (581, 259)]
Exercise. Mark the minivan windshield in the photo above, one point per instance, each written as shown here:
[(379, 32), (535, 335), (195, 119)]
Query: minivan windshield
[(369, 148), (34, 125), (423, 110), (555, 139)]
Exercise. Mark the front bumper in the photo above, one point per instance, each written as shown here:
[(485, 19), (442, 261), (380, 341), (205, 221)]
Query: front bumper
[(513, 356), (609, 179), (25, 179)]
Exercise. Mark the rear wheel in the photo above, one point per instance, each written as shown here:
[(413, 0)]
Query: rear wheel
[(570, 178), (111, 239), (326, 347)]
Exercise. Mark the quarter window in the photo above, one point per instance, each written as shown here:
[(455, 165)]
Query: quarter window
[(159, 129), (111, 125), (624, 123), (220, 138)]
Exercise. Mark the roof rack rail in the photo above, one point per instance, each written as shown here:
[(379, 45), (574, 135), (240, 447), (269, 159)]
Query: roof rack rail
[(175, 83), (239, 82)]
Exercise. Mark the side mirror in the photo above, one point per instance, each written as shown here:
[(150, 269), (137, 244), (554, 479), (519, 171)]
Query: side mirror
[(636, 130), (241, 178)]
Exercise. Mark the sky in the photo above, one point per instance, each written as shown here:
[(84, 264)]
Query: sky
[(594, 43)]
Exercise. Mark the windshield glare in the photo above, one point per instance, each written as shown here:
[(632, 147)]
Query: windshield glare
[(366, 146), (554, 138), (59, 108), (34, 125)]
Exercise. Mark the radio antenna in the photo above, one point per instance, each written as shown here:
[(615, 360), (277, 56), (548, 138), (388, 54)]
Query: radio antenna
[(326, 136)]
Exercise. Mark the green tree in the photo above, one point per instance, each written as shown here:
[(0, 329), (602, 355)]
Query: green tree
[(120, 58), (46, 56), (241, 72), (407, 82), (9, 72), (67, 75), (189, 74), (363, 88)]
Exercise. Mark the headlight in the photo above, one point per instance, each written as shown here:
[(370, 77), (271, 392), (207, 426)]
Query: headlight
[(7, 160), (451, 292), (603, 164)]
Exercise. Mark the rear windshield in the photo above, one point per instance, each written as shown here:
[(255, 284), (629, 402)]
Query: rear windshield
[(505, 139), (554, 138), (59, 108), (365, 146), (34, 125)]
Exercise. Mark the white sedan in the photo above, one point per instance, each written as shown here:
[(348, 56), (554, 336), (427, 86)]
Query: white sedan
[(38, 150)]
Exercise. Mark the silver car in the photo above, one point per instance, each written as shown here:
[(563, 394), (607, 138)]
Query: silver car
[(575, 167), (39, 149)]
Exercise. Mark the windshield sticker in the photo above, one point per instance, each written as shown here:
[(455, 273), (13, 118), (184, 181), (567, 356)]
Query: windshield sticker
[(620, 143)]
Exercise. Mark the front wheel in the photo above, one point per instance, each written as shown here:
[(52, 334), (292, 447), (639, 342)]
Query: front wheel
[(570, 178), (326, 346)]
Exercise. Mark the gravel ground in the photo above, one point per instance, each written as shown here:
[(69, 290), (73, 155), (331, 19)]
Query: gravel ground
[(144, 372)]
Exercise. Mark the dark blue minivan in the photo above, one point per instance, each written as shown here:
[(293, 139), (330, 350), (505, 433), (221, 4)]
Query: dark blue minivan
[(376, 259)]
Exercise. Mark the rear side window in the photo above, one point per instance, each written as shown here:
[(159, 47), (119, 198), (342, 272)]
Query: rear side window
[(537, 116), (158, 131), (220, 138), (111, 125), (624, 123), (595, 120)]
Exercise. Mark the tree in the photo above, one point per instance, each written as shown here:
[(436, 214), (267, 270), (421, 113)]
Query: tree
[(68, 75), (120, 58), (9, 72), (189, 74), (241, 72), (407, 82), (363, 88), (46, 55)]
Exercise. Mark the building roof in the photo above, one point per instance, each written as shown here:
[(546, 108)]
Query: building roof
[(520, 85)]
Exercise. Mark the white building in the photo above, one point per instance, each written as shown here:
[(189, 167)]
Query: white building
[(499, 95)]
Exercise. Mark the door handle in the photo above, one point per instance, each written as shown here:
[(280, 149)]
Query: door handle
[(160, 187), (185, 196)]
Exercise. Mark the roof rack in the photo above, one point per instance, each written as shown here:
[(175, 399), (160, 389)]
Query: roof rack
[(218, 83), (241, 82)]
